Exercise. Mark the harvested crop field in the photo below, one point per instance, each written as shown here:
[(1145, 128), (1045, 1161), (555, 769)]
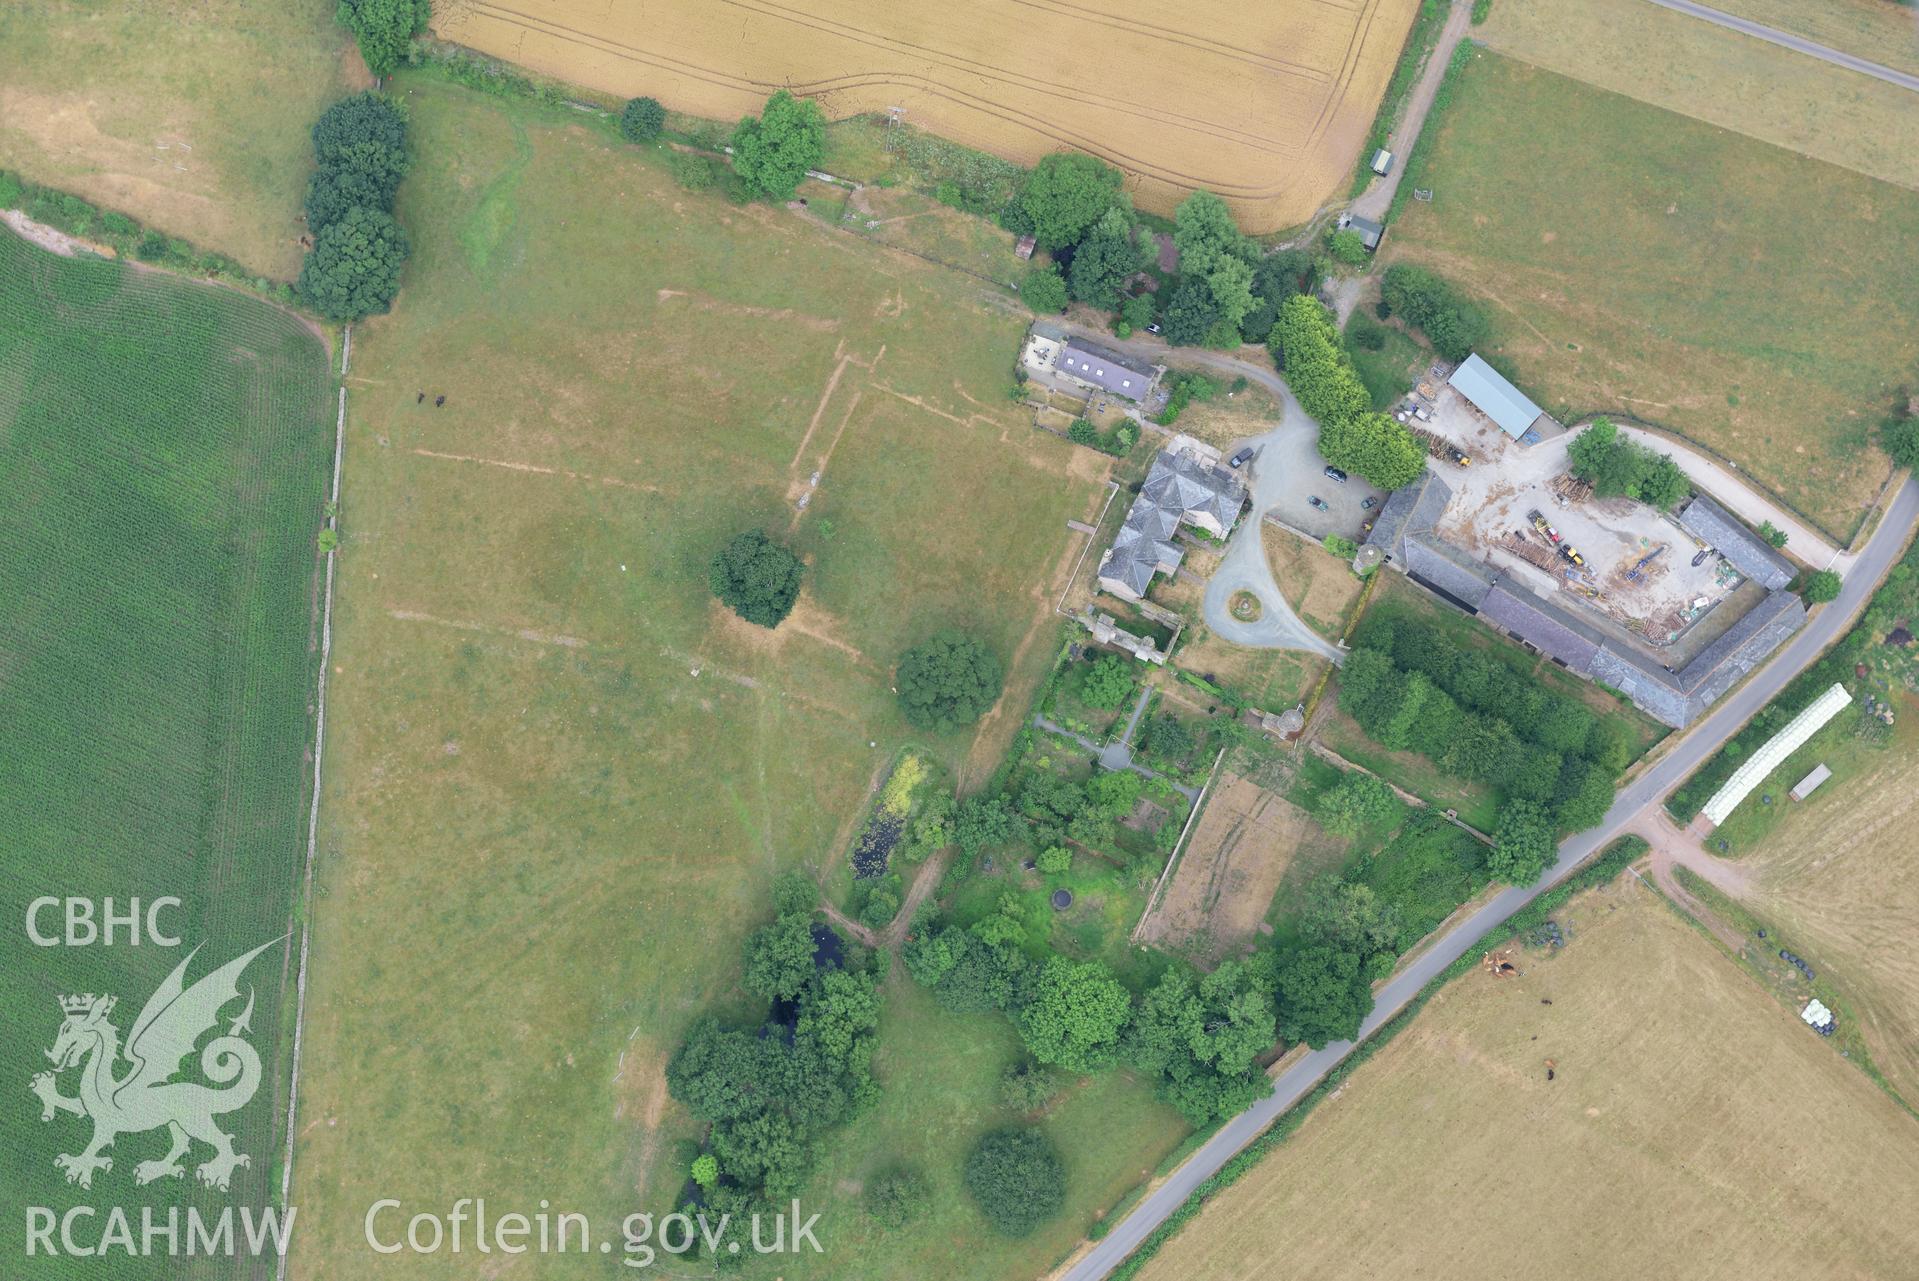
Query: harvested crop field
[(164, 448), (1694, 1128), (1266, 105), (1234, 861), (1837, 876)]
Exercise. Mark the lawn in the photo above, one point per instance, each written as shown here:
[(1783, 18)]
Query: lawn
[(1661, 1145), (1633, 290), (942, 1071), (564, 775), (195, 123), (1321, 587), (165, 449), (1390, 369)]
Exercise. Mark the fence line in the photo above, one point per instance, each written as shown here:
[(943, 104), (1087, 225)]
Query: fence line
[(313, 810)]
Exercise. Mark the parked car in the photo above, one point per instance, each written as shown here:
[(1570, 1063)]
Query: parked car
[(1700, 559), (1367, 503), (1335, 475), (1316, 501), (1153, 328), (1241, 458)]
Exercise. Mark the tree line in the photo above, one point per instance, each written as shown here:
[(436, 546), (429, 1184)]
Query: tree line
[(1352, 435), (352, 268), (1550, 759), (770, 1088)]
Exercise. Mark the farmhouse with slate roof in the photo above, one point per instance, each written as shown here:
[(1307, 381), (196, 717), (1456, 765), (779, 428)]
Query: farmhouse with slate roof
[(1106, 369), (1181, 488)]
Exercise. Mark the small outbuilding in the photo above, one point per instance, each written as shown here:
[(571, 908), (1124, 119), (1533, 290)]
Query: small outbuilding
[(1024, 249), (1370, 233), (1804, 787), (1382, 162)]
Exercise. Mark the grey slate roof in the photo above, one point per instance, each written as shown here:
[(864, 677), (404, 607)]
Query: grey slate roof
[(1104, 367), (1439, 564), (1746, 644), (1411, 509), (1136, 555), (1652, 688), (1544, 626), (1180, 486), (1177, 488), (1678, 698), (1750, 554), (1369, 231)]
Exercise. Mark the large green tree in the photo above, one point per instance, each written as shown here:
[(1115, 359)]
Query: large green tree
[(949, 681), (1017, 1179), (353, 269), (1074, 1015), (773, 150), (1067, 193), (384, 29), (642, 119), (1523, 843), (756, 578), (1324, 993), (1105, 258)]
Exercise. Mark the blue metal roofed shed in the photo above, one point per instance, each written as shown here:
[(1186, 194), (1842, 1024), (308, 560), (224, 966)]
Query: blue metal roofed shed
[(1493, 396)]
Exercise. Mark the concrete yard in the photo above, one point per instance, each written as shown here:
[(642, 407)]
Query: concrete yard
[(1670, 605)]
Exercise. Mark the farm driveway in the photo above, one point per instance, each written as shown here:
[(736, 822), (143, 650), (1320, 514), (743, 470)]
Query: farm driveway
[(1379, 197)]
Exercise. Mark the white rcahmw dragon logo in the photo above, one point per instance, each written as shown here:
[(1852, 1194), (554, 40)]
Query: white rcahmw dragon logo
[(145, 1097)]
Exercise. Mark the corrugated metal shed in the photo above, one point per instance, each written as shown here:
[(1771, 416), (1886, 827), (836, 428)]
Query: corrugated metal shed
[(1494, 397), (1803, 788)]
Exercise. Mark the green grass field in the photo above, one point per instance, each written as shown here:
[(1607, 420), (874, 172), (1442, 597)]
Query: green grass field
[(1642, 263), (163, 456), (193, 121), (563, 775)]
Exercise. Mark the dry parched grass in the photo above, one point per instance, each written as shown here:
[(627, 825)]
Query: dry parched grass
[(1838, 875), (1694, 1128), (562, 775), (1267, 105), (1641, 263)]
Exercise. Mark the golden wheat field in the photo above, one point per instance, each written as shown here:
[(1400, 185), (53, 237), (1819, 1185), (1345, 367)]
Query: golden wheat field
[(1266, 104), (1692, 1127)]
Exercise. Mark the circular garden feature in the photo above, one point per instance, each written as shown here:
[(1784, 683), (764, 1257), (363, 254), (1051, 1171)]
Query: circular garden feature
[(1245, 607), (1062, 899)]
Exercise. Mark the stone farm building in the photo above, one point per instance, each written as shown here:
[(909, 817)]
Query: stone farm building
[(1184, 487), (1406, 537), (1106, 369), (1750, 554)]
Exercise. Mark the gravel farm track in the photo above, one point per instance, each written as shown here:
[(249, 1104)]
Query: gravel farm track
[(1268, 111)]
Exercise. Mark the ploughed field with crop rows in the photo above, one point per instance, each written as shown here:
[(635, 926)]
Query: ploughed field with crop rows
[(163, 451), (1266, 104)]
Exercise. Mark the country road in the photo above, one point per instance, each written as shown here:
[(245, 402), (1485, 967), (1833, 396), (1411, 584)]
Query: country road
[(1630, 809), (1798, 44)]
